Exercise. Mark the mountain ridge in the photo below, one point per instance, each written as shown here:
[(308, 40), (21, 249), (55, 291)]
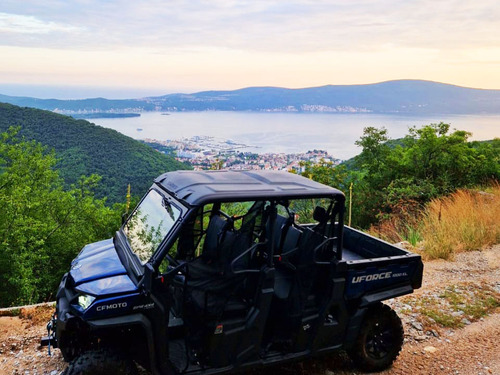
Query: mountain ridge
[(418, 97)]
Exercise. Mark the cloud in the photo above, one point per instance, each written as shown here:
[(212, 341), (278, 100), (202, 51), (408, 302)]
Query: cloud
[(292, 26), (235, 43), (21, 24)]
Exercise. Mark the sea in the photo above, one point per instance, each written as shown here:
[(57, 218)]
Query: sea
[(289, 132)]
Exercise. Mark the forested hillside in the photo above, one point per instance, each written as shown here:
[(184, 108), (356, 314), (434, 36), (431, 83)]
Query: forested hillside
[(83, 148), (86, 105)]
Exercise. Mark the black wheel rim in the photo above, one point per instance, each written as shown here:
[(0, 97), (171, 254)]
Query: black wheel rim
[(379, 341)]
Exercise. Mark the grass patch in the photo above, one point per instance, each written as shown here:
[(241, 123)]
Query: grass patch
[(413, 235), (465, 220), (456, 305), (474, 302), (442, 318)]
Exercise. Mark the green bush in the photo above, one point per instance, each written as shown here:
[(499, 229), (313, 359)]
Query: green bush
[(43, 225)]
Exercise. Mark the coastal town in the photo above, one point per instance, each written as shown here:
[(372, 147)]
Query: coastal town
[(205, 152)]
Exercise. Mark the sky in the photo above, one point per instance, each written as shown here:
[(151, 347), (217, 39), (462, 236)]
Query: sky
[(125, 49)]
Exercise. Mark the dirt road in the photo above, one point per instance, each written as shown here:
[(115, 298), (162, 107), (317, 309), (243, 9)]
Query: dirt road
[(472, 348)]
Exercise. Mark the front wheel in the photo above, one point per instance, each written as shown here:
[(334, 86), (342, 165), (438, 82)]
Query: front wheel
[(101, 362), (379, 341)]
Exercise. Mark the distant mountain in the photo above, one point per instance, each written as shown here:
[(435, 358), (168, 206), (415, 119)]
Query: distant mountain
[(405, 97), (81, 105), (84, 148), (396, 97)]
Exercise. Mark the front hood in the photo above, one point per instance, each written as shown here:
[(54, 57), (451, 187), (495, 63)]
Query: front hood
[(98, 270)]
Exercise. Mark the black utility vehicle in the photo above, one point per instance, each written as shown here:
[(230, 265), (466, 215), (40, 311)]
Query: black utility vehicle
[(219, 271)]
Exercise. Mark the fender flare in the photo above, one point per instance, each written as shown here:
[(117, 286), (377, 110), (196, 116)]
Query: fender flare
[(353, 327), (366, 302)]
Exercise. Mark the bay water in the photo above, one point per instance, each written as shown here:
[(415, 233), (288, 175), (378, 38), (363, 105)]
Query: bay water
[(290, 132)]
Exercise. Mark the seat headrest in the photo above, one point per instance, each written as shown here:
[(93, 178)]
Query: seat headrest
[(320, 214)]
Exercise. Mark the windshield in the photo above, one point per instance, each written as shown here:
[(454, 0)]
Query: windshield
[(149, 224)]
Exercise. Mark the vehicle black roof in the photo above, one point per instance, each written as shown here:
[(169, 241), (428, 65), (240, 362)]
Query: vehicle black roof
[(201, 187)]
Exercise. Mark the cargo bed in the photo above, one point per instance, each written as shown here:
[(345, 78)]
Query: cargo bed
[(374, 265), (357, 246)]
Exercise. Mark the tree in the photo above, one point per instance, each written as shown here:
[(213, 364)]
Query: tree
[(429, 162), (397, 177), (42, 226), (326, 172), (373, 158)]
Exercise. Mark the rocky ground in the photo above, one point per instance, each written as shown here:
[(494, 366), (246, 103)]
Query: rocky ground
[(20, 351), (470, 345), (452, 326)]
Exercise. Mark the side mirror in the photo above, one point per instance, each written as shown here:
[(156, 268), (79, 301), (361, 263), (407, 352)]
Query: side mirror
[(147, 282)]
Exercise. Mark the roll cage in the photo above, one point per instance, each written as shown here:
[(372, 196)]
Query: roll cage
[(199, 190)]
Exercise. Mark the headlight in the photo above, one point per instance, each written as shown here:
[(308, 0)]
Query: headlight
[(85, 301)]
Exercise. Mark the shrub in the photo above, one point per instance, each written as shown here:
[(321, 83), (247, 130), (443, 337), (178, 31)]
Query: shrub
[(465, 220), (404, 224)]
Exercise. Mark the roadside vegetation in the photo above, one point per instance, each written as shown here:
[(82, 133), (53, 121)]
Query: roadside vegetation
[(43, 225), (467, 219)]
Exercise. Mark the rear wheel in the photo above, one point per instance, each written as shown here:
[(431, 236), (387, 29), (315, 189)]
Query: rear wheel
[(379, 341), (101, 362)]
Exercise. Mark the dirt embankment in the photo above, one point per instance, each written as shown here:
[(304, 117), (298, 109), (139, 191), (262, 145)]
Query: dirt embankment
[(451, 327)]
